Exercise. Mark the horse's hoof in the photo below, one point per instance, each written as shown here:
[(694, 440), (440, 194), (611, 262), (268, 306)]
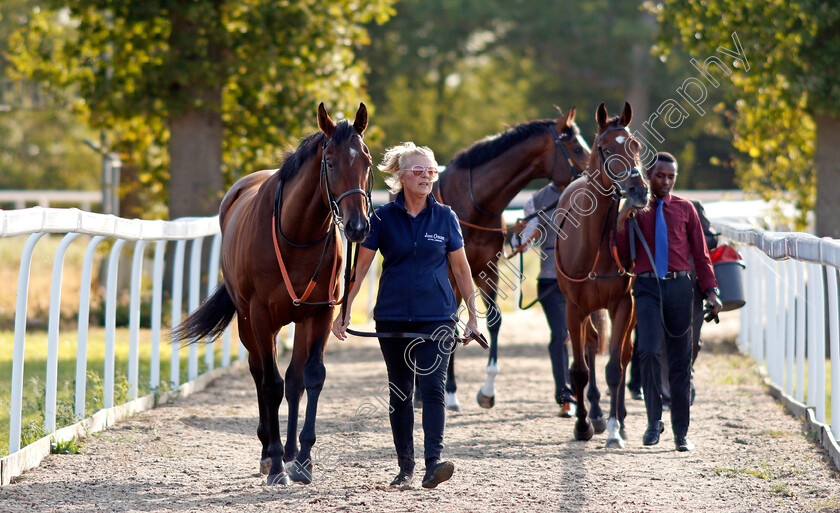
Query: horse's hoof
[(265, 466), (485, 401), (622, 433), (452, 403), (300, 474), (599, 424), (585, 434), (278, 479), (615, 443)]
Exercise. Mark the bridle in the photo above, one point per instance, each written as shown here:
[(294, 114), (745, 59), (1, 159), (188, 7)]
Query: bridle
[(607, 231), (337, 218), (633, 172), (332, 200)]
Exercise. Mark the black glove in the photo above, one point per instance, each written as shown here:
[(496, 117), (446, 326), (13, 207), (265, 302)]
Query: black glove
[(709, 315)]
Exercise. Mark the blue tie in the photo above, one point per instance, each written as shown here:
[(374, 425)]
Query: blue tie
[(660, 255)]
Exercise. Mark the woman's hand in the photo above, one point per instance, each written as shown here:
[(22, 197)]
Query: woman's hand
[(472, 327), (339, 328)]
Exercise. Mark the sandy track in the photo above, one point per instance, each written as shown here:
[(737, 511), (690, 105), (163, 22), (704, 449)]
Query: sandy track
[(201, 453)]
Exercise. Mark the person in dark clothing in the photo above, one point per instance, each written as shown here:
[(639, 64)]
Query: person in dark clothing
[(417, 237), (634, 384), (664, 295), (551, 299)]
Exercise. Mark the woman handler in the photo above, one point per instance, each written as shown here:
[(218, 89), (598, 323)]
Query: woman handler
[(417, 237)]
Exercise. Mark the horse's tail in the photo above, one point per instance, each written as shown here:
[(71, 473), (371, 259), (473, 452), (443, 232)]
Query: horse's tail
[(209, 321)]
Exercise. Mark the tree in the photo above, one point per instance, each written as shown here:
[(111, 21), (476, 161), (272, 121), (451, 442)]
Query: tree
[(788, 113), (447, 73), (204, 89)]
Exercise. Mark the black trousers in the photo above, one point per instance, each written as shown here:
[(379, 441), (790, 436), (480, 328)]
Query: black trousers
[(675, 306), (428, 359), (554, 307)]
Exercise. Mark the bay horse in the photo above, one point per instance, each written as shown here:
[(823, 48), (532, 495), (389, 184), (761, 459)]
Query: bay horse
[(278, 232), (478, 184), (589, 271)]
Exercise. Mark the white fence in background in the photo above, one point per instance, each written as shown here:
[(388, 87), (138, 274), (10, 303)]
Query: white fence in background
[(37, 222), (790, 315)]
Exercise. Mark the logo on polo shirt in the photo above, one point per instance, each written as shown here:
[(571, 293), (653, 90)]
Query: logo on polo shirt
[(434, 237)]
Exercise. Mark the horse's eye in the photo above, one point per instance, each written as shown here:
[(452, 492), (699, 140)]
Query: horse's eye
[(607, 152), (578, 150), (329, 165)]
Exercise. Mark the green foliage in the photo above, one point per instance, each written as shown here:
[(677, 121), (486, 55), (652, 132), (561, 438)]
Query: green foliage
[(66, 447), (794, 48), (448, 73), (261, 65)]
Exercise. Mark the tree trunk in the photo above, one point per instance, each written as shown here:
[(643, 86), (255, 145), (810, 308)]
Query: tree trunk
[(196, 184), (827, 160)]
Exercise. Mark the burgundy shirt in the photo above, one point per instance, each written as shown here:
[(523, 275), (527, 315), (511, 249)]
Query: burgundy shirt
[(685, 240)]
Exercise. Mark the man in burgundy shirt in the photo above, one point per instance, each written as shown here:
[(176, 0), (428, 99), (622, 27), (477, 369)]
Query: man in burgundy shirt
[(664, 294)]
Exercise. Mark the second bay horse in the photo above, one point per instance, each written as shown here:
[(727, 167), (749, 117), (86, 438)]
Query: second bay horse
[(589, 271)]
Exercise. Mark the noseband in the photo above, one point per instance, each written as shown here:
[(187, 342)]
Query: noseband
[(632, 173)]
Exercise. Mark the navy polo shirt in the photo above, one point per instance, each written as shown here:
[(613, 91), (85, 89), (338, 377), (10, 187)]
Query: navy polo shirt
[(414, 285)]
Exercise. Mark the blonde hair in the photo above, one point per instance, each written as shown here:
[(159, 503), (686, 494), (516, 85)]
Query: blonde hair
[(394, 159)]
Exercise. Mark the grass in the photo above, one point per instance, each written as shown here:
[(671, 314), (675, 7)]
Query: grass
[(35, 372)]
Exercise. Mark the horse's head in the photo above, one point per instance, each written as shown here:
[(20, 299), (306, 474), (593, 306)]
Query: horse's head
[(618, 157), (346, 175), (569, 154)]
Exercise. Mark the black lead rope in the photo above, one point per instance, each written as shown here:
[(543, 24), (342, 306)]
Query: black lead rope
[(350, 277), (539, 298), (638, 231)]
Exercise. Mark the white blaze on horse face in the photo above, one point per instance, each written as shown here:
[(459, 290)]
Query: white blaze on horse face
[(581, 141), (620, 139), (353, 154)]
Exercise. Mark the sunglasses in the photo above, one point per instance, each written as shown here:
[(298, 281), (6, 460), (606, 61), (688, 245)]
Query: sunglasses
[(418, 170)]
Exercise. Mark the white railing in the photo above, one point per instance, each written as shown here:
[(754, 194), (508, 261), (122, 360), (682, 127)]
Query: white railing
[(37, 222), (790, 315)]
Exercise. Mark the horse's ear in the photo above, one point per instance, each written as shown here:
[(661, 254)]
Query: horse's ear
[(324, 122), (361, 119), (601, 116), (567, 119), (626, 115)]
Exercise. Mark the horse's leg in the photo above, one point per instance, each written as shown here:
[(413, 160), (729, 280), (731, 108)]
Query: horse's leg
[(579, 372), (626, 356), (270, 391), (621, 313), (314, 335), (596, 415), (451, 397), (255, 366), (294, 390), (486, 396)]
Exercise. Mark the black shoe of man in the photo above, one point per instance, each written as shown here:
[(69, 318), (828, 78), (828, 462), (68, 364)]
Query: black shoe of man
[(651, 436), (683, 443)]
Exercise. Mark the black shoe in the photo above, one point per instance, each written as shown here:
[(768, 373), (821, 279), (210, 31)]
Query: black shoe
[(683, 444), (403, 480), (652, 433), (637, 395), (438, 473)]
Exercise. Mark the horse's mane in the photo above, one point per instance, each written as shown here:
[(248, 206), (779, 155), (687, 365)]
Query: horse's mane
[(295, 159), (491, 147)]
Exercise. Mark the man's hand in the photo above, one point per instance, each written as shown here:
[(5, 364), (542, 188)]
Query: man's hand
[(713, 307), (339, 328)]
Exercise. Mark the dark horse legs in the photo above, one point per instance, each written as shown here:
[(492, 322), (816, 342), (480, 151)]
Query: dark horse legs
[(308, 357), (486, 396), (270, 388)]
